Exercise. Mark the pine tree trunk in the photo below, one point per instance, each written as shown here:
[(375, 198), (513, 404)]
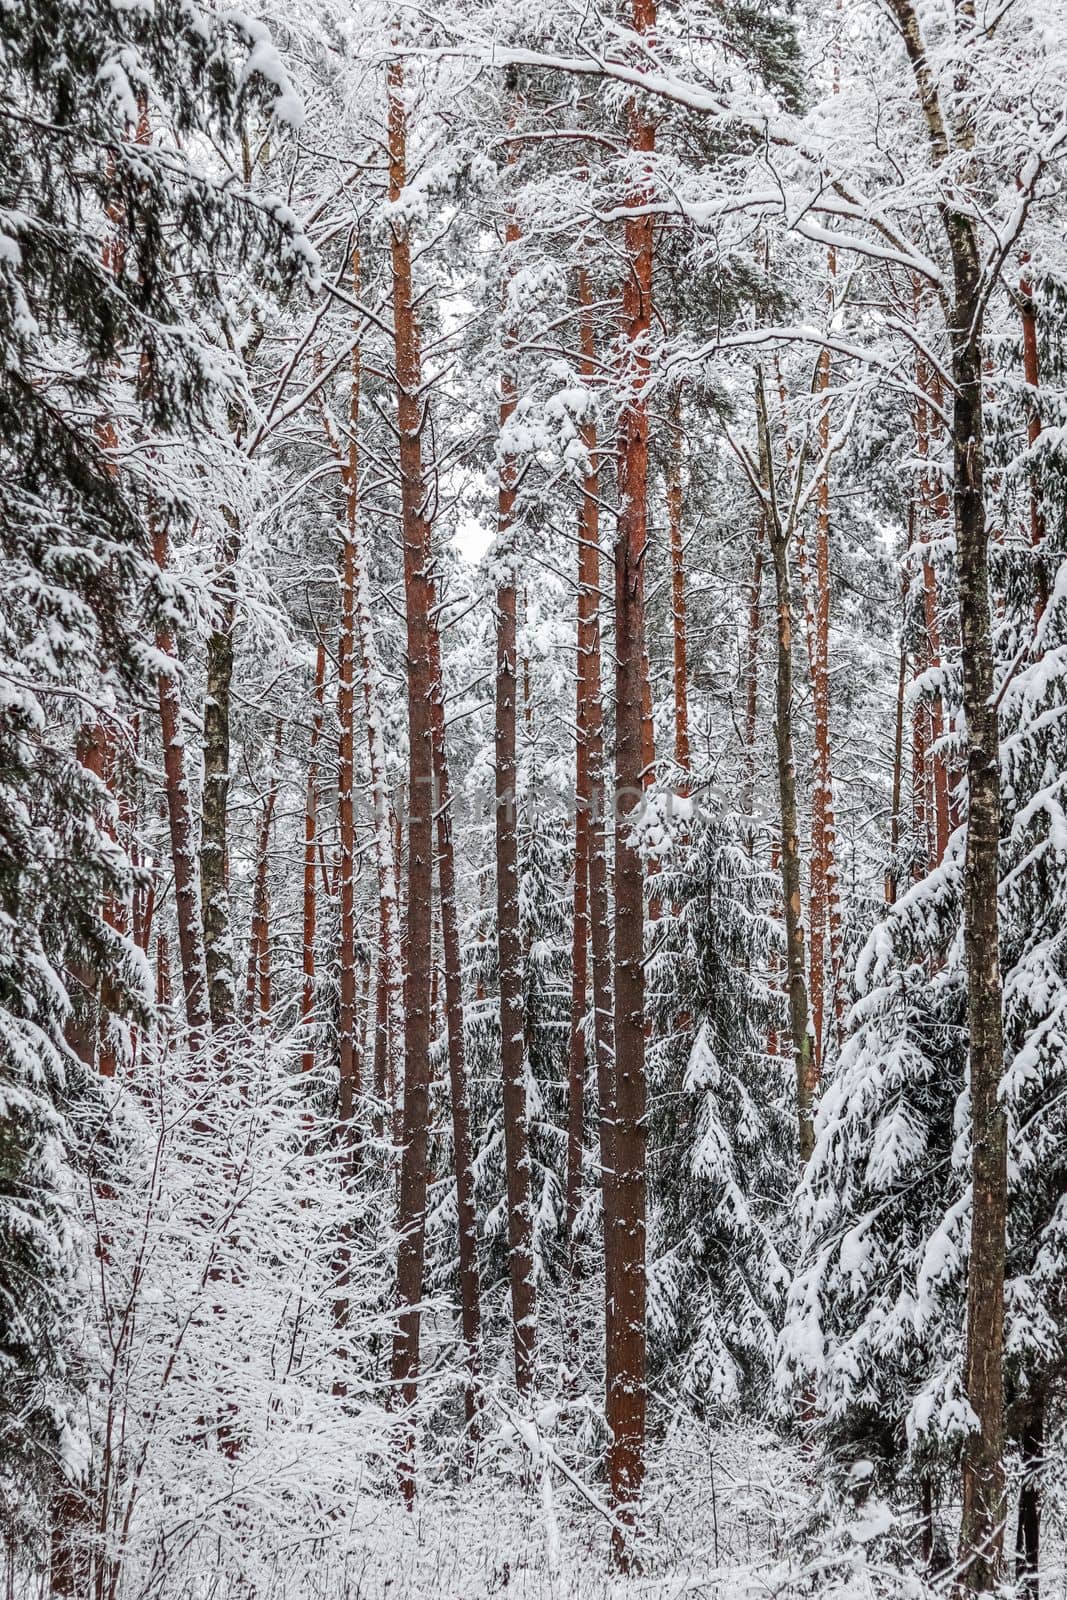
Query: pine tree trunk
[(982, 1524), (898, 775), (982, 1531), (349, 1062), (591, 720), (258, 980), (307, 998), (179, 813), (825, 906), (796, 966), (418, 592), (752, 652), (214, 855), (576, 1071), (677, 558), (466, 1211), (625, 1204), (358, 625), (509, 944)]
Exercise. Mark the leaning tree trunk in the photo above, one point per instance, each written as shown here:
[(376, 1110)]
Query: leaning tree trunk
[(418, 593)]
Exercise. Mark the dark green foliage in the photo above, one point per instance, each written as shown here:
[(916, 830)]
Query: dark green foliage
[(105, 223)]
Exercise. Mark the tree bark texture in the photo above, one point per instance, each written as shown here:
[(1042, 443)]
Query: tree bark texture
[(416, 530), (311, 801), (509, 943), (796, 967), (675, 506), (625, 1196), (466, 1210), (182, 831)]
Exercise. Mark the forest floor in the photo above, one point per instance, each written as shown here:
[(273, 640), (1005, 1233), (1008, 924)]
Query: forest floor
[(729, 1515)]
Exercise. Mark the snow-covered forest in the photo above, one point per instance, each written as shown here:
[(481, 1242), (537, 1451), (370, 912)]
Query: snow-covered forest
[(533, 832)]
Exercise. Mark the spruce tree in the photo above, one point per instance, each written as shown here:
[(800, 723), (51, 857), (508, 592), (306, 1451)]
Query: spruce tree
[(106, 211)]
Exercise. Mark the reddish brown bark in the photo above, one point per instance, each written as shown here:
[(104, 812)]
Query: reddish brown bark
[(307, 998), (418, 593), (624, 1222), (509, 944)]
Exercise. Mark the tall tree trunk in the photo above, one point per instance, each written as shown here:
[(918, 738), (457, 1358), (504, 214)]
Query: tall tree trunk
[(982, 1530), (591, 726), (624, 1218), (358, 627), (349, 1061), (180, 817), (677, 558), (214, 855), (509, 943), (778, 534), (752, 652), (982, 1524), (892, 871), (825, 907), (1032, 375), (307, 998), (418, 592), (580, 932), (466, 1211), (258, 979)]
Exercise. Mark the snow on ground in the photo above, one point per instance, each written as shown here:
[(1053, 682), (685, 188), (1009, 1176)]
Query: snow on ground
[(723, 1519)]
